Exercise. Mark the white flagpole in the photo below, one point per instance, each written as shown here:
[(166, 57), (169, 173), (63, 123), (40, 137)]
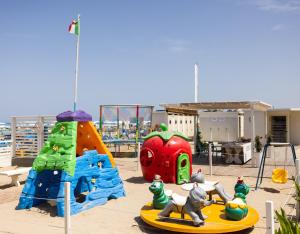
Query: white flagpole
[(196, 81), (76, 68)]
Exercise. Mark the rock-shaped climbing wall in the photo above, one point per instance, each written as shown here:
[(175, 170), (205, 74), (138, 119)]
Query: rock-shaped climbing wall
[(95, 181), (59, 151), (93, 176)]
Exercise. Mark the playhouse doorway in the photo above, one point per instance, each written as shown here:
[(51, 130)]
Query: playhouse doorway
[(183, 168)]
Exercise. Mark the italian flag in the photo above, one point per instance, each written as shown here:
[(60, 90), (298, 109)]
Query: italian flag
[(74, 27)]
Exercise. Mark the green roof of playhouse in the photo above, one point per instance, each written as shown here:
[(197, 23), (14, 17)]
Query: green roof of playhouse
[(165, 134)]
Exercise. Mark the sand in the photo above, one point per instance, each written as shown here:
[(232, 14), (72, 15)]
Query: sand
[(122, 215)]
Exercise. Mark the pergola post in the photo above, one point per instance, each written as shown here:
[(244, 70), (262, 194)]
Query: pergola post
[(297, 180), (118, 120), (40, 132), (13, 135), (266, 124), (100, 122), (137, 130), (253, 160), (195, 134)]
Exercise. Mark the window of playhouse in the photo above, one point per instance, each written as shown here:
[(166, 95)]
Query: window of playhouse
[(146, 157), (183, 163), (82, 189)]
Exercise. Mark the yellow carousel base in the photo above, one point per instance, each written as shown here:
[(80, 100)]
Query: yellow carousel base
[(215, 223)]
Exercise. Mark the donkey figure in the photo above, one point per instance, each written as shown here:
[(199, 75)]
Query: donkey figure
[(190, 205)]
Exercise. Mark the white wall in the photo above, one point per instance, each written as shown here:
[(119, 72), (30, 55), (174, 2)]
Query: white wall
[(219, 126), (260, 124), (190, 125), (159, 117), (181, 123), (175, 122), (295, 127)]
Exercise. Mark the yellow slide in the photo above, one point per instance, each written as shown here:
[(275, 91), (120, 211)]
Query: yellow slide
[(89, 139)]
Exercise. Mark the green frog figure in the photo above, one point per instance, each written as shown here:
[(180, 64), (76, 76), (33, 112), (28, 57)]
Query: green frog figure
[(237, 209), (160, 199)]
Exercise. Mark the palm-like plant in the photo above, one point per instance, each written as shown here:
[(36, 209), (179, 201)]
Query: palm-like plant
[(297, 187), (287, 226)]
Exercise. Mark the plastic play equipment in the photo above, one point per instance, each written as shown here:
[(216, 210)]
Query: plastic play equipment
[(160, 198), (73, 153), (237, 209), (210, 187), (167, 154), (235, 206), (279, 175), (125, 122), (124, 125), (183, 214), (215, 222), (198, 177), (190, 205)]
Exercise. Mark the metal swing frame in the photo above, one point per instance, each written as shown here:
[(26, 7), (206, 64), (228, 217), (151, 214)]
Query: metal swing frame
[(263, 160)]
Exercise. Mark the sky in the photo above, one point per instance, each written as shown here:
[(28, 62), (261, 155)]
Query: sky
[(138, 51)]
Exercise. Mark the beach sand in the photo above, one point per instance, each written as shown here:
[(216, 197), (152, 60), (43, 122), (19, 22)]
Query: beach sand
[(122, 215)]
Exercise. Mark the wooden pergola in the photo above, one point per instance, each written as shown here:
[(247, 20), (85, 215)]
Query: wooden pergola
[(194, 107)]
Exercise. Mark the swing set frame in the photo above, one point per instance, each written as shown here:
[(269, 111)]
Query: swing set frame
[(263, 160)]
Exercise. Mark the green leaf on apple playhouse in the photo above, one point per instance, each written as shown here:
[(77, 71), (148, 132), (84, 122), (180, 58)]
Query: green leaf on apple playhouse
[(165, 134)]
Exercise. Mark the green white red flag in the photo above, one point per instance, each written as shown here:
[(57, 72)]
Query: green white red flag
[(74, 27)]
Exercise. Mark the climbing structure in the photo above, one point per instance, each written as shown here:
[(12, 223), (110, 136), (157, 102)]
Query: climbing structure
[(75, 153)]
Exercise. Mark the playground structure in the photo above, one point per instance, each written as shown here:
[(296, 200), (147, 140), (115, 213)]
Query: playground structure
[(280, 175), (75, 153), (237, 208), (191, 205), (167, 154), (182, 214), (215, 223), (124, 122)]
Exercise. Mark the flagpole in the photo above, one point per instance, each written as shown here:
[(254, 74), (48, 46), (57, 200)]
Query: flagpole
[(76, 68)]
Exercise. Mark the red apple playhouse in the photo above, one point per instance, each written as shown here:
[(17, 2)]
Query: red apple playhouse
[(167, 154)]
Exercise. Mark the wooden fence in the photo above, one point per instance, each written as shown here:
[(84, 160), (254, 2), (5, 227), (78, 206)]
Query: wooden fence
[(29, 133)]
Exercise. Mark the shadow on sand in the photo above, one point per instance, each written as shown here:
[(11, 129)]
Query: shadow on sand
[(46, 209), (136, 180), (270, 190), (5, 186), (145, 228)]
